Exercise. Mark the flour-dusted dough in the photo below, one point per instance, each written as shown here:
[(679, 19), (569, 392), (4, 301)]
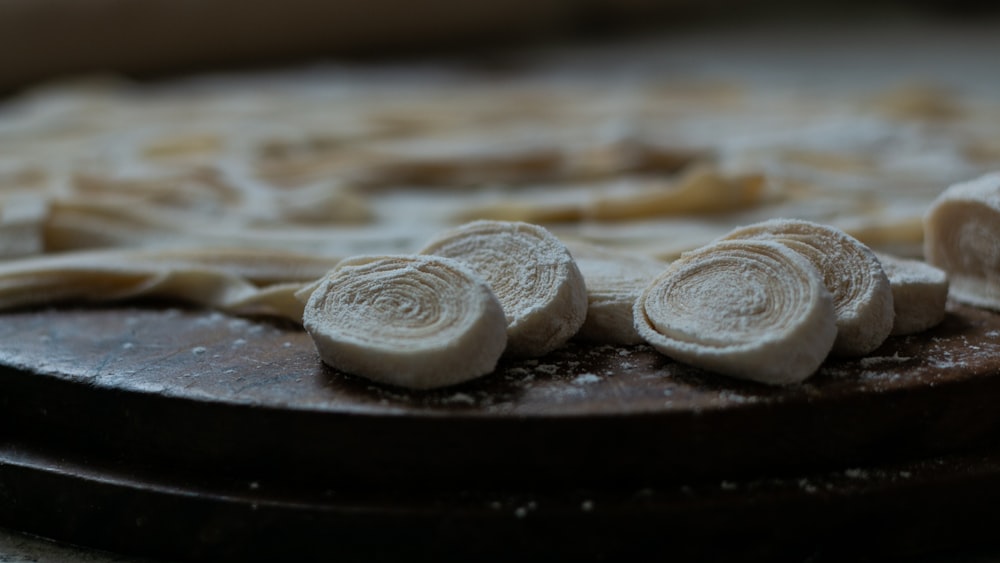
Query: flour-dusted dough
[(919, 293), (238, 281), (532, 273), (418, 322), (752, 309), (614, 280), (22, 225), (962, 237), (861, 291), (700, 190)]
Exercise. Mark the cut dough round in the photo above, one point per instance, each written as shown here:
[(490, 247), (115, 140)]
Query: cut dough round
[(532, 273), (614, 280), (750, 309), (962, 237), (919, 293), (862, 295), (412, 321)]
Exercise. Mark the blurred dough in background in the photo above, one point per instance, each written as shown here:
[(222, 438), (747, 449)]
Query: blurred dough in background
[(655, 142)]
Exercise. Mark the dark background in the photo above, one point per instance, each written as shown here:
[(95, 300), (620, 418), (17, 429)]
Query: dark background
[(43, 39)]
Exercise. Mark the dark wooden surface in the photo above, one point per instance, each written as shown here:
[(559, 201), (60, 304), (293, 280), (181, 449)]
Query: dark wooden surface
[(128, 427)]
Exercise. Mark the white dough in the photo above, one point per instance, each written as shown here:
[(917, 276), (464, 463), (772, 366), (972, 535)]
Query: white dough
[(862, 295), (418, 322), (962, 237), (542, 291), (751, 309), (919, 293), (614, 280)]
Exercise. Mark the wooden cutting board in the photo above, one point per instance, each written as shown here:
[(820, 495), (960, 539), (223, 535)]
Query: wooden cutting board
[(205, 416)]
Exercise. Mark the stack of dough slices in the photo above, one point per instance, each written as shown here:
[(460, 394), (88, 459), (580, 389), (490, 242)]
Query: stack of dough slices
[(768, 302)]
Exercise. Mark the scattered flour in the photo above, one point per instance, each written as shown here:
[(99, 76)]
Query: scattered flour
[(856, 473), (874, 360), (461, 398)]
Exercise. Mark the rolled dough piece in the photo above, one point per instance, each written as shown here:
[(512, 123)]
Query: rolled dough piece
[(751, 309), (861, 291), (919, 293), (962, 237), (542, 291), (418, 322), (614, 281)]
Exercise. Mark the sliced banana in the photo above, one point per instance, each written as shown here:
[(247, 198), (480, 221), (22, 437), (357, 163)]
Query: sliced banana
[(861, 291), (752, 309), (919, 293), (412, 321), (532, 273), (614, 280), (962, 237)]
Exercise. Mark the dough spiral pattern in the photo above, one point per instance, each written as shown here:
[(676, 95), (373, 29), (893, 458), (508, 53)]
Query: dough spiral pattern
[(412, 321), (748, 309), (862, 294), (531, 272)]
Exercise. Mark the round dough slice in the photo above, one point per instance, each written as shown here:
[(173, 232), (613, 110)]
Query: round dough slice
[(614, 281), (750, 309), (962, 237), (532, 273), (418, 322), (919, 293), (862, 295)]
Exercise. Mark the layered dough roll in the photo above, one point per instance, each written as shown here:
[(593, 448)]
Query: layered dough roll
[(533, 274), (962, 237), (750, 309), (862, 295), (413, 321), (614, 280), (919, 293)]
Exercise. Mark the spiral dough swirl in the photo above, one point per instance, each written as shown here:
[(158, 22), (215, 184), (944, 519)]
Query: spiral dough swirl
[(412, 321), (749, 309)]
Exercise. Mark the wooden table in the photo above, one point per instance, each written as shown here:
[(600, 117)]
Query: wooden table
[(155, 430)]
